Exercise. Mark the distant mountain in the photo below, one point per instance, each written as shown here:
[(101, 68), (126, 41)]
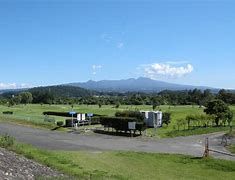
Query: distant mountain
[(134, 85), (94, 87), (2, 91), (64, 91), (57, 91)]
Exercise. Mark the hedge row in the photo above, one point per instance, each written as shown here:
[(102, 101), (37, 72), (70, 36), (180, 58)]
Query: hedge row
[(7, 112), (52, 113), (131, 114), (121, 123)]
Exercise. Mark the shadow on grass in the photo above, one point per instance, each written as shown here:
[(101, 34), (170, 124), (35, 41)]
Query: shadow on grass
[(115, 133), (56, 128), (197, 158)]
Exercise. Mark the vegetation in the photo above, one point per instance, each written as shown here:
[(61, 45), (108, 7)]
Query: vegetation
[(75, 95), (132, 114), (220, 110), (129, 165), (166, 118), (232, 149), (6, 141)]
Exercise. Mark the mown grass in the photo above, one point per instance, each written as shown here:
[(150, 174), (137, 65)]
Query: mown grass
[(232, 149), (32, 115), (129, 165), (164, 133)]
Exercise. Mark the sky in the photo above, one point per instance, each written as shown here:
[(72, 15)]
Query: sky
[(49, 42)]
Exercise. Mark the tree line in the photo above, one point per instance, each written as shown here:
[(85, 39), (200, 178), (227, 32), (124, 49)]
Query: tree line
[(73, 95)]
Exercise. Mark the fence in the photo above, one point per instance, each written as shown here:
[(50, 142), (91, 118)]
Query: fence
[(208, 150)]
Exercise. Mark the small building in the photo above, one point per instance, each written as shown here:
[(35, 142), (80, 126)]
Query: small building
[(152, 118)]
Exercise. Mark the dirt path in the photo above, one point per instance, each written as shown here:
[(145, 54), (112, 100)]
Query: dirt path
[(191, 145)]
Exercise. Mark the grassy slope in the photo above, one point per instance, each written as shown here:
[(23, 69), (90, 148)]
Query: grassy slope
[(130, 165), (33, 113)]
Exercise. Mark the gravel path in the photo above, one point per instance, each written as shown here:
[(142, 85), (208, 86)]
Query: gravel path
[(13, 166), (54, 140)]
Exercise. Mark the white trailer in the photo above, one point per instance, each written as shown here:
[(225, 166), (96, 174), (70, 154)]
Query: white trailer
[(152, 118)]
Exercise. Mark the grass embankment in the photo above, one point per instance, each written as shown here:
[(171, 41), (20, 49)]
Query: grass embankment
[(32, 115)]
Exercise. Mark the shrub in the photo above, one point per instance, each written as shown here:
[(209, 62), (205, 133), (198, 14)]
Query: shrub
[(63, 114), (68, 123), (198, 120), (166, 118), (60, 123), (7, 112), (95, 120), (132, 114), (6, 141)]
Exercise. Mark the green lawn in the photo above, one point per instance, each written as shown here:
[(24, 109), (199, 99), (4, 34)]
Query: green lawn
[(232, 149), (32, 114), (130, 165)]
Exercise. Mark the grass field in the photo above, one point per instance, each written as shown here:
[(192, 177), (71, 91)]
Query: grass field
[(32, 114), (232, 149), (117, 164), (130, 165)]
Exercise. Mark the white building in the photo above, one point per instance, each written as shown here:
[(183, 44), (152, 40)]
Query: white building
[(152, 118)]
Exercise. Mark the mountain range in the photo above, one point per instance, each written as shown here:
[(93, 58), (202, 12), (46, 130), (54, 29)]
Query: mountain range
[(141, 84)]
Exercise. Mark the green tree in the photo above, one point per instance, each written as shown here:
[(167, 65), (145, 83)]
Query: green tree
[(26, 97), (166, 118), (219, 109), (117, 104), (229, 117), (16, 99)]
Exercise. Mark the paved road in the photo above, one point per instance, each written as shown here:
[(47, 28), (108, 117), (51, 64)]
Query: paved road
[(54, 140)]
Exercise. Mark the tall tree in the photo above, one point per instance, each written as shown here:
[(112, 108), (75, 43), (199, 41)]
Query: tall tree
[(26, 97), (218, 108)]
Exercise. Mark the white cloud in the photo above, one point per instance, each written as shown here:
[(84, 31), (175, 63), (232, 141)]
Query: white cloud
[(158, 70), (96, 68), (120, 45), (13, 86)]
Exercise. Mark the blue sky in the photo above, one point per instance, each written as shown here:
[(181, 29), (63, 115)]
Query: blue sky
[(53, 42)]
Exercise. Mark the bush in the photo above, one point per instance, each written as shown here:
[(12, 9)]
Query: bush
[(95, 120), (7, 112), (60, 123), (63, 114), (132, 114), (68, 123), (199, 120), (166, 118), (6, 141)]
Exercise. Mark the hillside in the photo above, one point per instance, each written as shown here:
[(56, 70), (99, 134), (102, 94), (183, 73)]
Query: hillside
[(64, 91), (57, 91)]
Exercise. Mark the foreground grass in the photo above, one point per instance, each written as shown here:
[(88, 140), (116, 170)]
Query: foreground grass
[(129, 165)]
